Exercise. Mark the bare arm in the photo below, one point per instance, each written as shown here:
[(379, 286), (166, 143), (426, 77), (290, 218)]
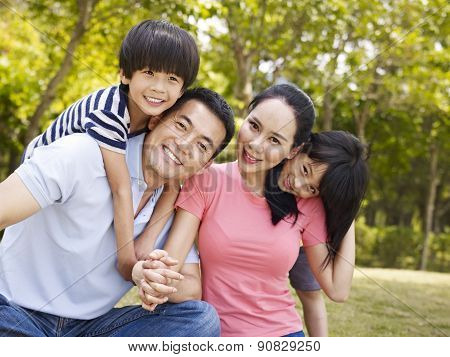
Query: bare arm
[(164, 208), (120, 184), (181, 237), (189, 288), (336, 278), (17, 202)]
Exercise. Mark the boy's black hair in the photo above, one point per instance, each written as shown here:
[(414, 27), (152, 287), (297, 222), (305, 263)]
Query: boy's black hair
[(162, 47), (216, 104)]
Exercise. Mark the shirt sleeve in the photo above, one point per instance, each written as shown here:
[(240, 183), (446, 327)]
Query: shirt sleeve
[(108, 129), (51, 173), (315, 229), (192, 198)]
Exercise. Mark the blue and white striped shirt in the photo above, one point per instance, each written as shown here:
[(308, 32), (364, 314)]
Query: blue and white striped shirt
[(103, 115)]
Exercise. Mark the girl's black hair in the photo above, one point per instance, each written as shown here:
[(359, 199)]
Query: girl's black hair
[(343, 183), (162, 47), (283, 204)]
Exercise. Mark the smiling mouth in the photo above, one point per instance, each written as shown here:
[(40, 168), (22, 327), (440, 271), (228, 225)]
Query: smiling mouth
[(287, 183), (153, 100), (171, 155), (250, 159)]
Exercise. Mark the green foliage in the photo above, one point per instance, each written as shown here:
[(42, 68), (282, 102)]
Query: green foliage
[(378, 69), (399, 247)]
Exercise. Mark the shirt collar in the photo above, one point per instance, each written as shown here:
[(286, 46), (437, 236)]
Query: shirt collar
[(134, 157)]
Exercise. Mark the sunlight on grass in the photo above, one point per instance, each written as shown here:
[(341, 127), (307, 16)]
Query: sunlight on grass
[(385, 302)]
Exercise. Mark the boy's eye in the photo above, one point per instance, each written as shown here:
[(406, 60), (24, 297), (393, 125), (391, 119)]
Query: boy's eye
[(174, 79), (274, 140), (150, 73)]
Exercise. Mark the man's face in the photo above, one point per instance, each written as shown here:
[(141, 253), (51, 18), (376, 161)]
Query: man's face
[(184, 142)]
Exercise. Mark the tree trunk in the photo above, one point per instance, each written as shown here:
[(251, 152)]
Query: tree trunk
[(431, 199), (327, 124), (85, 9)]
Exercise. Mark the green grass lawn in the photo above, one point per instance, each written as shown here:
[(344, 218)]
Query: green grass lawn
[(386, 302)]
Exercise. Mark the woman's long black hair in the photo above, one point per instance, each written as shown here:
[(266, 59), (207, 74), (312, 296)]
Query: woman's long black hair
[(283, 204)]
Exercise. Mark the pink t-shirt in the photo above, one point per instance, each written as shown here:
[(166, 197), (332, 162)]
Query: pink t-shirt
[(245, 259)]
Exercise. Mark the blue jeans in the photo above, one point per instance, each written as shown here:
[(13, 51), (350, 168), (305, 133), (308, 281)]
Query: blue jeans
[(295, 334), (190, 318)]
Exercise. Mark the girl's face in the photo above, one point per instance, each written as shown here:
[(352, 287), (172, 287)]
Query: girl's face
[(266, 136), (301, 176)]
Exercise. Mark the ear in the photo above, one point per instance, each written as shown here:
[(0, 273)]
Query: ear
[(123, 78), (294, 152)]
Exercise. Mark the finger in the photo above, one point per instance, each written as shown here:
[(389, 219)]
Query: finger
[(157, 254), (163, 289), (169, 261), (154, 264), (155, 276), (170, 274), (149, 307), (155, 300)]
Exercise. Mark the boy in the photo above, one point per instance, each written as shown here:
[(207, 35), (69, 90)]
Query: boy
[(157, 61)]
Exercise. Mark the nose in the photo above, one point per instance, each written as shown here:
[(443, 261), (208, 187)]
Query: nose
[(158, 84), (299, 182), (184, 143), (257, 144)]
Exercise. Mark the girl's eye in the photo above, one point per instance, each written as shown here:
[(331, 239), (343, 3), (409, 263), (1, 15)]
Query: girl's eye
[(274, 140), (305, 170), (312, 190)]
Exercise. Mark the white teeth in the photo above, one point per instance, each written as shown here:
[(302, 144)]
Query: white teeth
[(171, 155), (153, 100)]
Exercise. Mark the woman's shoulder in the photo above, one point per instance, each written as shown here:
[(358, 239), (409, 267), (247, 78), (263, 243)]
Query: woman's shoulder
[(311, 206), (215, 174)]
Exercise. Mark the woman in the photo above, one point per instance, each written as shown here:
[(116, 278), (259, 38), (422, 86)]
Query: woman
[(246, 249)]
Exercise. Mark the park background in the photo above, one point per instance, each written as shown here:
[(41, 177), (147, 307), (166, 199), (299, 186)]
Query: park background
[(376, 68)]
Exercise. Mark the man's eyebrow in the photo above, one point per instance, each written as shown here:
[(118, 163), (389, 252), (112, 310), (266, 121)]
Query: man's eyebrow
[(185, 117)]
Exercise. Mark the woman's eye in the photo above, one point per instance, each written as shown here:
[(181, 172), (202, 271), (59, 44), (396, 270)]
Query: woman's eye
[(253, 125), (274, 140)]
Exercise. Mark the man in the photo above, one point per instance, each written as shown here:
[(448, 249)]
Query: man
[(57, 265)]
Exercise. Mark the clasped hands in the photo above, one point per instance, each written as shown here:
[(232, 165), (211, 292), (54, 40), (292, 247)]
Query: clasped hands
[(155, 279)]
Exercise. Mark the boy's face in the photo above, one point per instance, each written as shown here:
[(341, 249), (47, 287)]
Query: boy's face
[(184, 142), (301, 176), (151, 93)]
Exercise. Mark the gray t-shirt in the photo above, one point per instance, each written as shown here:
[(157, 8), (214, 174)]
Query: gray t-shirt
[(62, 260)]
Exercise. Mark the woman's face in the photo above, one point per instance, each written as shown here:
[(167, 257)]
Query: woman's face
[(266, 136), (301, 176)]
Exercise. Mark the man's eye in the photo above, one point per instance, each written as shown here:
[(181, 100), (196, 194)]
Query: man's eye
[(202, 146), (181, 125)]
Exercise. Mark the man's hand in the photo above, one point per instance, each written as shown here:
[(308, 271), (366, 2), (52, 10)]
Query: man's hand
[(153, 278)]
